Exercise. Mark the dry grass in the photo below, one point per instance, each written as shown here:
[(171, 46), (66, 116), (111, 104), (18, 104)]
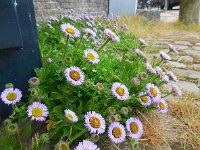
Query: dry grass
[(142, 27), (188, 112)]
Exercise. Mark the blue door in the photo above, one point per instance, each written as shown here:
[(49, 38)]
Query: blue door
[(123, 7)]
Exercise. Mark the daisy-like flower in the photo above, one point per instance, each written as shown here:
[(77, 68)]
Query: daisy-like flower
[(176, 90), (172, 48), (150, 68), (116, 132), (136, 81), (162, 106), (153, 92), (49, 25), (143, 42), (162, 74), (94, 138), (111, 35), (95, 122), (117, 117), (91, 56), (50, 60), (37, 111), (70, 115), (86, 145), (70, 30), (145, 100), (34, 81), (120, 91), (54, 18), (111, 118), (124, 110), (11, 96), (74, 75), (165, 56), (134, 127), (172, 76), (143, 76), (100, 86), (62, 145), (90, 32), (112, 110), (139, 52)]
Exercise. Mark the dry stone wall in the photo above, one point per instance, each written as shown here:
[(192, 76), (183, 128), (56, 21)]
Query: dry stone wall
[(46, 8)]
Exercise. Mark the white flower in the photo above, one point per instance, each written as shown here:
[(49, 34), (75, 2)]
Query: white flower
[(154, 92), (162, 106), (143, 42), (116, 132), (70, 30), (37, 111), (49, 25), (86, 145), (172, 75), (34, 81), (54, 18), (134, 127), (165, 56), (90, 32), (11, 96), (74, 75), (162, 74), (176, 90), (70, 115), (172, 48), (120, 91), (150, 68), (144, 100), (111, 35), (139, 52), (91, 56), (95, 122)]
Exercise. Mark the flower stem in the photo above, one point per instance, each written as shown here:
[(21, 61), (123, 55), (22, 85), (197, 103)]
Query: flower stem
[(167, 94), (108, 40), (78, 135)]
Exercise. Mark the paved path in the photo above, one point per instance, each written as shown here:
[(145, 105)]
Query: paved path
[(186, 65)]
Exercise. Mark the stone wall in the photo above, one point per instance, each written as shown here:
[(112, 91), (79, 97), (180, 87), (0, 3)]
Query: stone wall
[(46, 8)]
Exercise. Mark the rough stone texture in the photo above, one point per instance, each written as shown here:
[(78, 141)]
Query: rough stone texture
[(177, 65), (46, 8), (186, 59), (188, 74), (183, 43), (196, 67), (186, 86)]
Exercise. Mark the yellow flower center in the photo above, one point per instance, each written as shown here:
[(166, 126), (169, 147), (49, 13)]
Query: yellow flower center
[(95, 122), (100, 86), (11, 96), (150, 68), (144, 99), (120, 91), (134, 127), (70, 116), (117, 133), (153, 91), (112, 35), (70, 30), (34, 80), (37, 112), (91, 56), (162, 105), (162, 73), (75, 75)]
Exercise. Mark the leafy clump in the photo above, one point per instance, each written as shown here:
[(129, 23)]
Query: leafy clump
[(93, 82)]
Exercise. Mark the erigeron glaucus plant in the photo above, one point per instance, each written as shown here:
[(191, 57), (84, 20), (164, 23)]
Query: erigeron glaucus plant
[(85, 92)]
